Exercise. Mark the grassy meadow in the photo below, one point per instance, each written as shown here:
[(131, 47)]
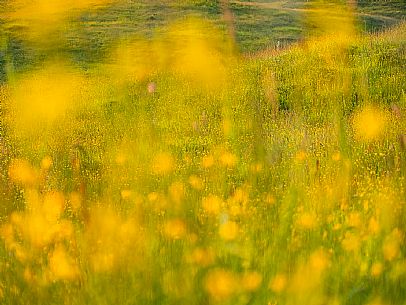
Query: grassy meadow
[(153, 152)]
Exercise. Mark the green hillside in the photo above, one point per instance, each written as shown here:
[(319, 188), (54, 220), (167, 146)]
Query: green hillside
[(258, 25), (187, 152)]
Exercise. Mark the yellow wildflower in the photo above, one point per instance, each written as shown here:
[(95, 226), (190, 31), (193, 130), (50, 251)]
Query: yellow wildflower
[(20, 171), (369, 123), (228, 159), (278, 283), (220, 284), (212, 204), (196, 182), (175, 228), (61, 265), (207, 161), (228, 230), (163, 164), (251, 281)]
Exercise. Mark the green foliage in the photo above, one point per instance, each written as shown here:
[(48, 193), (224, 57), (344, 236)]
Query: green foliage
[(168, 169)]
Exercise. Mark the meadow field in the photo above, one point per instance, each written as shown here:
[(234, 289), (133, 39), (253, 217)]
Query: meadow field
[(202, 152)]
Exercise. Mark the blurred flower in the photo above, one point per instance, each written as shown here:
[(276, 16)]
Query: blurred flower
[(75, 200), (220, 284), (20, 171), (212, 204), (278, 283), (241, 195), (374, 226), (228, 159), (376, 269), (53, 206), (308, 278), (201, 54), (391, 245), (251, 281), (163, 164), (369, 123), (351, 242), (354, 220), (300, 155), (126, 194), (46, 95), (112, 241), (336, 156), (319, 261), (228, 230), (121, 158), (202, 256), (153, 196), (46, 163), (207, 161), (175, 228), (61, 265), (307, 221), (196, 182)]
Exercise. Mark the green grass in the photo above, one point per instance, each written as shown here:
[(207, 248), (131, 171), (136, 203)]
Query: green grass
[(256, 27), (269, 179)]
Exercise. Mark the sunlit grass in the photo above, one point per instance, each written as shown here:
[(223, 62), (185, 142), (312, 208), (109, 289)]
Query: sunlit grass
[(176, 171)]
